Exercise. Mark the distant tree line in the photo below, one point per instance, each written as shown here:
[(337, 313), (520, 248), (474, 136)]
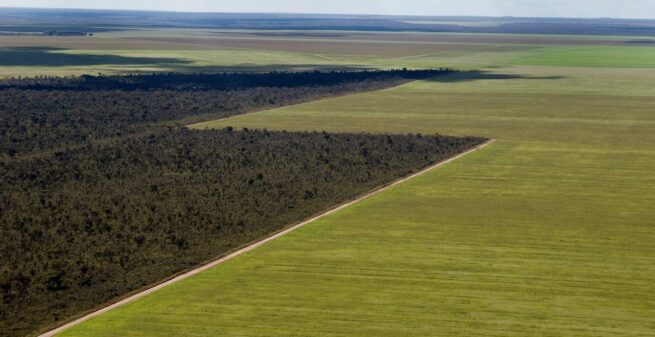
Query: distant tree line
[(220, 81), (46, 113), (82, 226), (66, 33)]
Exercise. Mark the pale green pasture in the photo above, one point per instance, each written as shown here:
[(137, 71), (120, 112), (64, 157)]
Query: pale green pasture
[(522, 239), (548, 232), (214, 51), (528, 103)]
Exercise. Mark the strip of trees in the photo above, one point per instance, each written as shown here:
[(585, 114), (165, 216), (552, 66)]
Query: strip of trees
[(219, 81), (49, 112)]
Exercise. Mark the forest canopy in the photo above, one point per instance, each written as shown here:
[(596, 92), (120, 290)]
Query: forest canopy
[(83, 226), (103, 192), (46, 113)]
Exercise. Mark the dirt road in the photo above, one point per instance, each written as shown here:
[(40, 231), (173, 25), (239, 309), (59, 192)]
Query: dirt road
[(256, 244)]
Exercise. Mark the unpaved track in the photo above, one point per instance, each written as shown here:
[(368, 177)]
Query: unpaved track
[(258, 243)]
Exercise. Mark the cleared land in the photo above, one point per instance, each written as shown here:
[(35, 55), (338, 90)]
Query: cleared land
[(259, 243), (495, 244), (564, 105), (197, 50), (548, 232)]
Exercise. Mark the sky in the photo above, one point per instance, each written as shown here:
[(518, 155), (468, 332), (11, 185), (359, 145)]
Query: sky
[(533, 8)]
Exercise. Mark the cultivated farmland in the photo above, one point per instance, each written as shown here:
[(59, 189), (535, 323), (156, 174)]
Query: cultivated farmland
[(198, 50), (547, 232)]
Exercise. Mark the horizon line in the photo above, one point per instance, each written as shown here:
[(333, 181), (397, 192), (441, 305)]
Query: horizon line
[(330, 14)]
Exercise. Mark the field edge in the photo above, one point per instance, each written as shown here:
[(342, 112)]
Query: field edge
[(138, 294)]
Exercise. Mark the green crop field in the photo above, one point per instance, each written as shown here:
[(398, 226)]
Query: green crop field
[(521, 239), (608, 107), (592, 56), (548, 232), (204, 50)]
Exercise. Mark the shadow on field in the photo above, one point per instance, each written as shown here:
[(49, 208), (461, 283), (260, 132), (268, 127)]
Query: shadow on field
[(479, 75), (45, 56), (642, 42), (50, 57)]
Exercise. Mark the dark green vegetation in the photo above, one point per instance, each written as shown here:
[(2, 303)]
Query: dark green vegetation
[(48, 113), (102, 194), (225, 81), (84, 226)]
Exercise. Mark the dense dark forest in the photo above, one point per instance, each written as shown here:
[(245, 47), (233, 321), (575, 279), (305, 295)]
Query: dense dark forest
[(50, 112), (103, 191), (86, 225), (221, 81)]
